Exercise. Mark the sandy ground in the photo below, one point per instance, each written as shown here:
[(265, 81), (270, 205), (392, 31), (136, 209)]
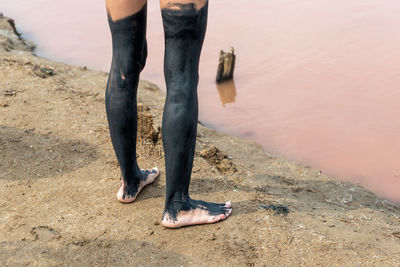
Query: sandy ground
[(59, 178)]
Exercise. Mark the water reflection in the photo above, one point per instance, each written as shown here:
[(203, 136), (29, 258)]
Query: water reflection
[(227, 92)]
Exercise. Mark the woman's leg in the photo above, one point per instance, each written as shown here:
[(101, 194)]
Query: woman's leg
[(184, 26), (127, 20)]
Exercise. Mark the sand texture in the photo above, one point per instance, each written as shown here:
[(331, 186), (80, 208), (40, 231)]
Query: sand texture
[(59, 178)]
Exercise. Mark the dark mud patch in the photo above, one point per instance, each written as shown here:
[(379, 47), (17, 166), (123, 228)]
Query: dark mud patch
[(278, 209), (102, 252), (25, 154)]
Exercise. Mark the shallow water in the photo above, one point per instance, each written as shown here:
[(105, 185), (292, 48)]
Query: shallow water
[(316, 81)]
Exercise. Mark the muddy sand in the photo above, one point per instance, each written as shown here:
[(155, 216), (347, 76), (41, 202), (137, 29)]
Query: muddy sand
[(59, 178)]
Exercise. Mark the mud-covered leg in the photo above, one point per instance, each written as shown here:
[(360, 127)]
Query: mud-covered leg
[(184, 26), (129, 55)]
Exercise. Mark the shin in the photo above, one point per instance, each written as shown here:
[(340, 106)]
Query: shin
[(184, 27), (129, 55)]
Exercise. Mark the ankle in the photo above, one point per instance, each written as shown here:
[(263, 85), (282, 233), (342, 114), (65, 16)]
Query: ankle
[(176, 198), (176, 203), (131, 184)]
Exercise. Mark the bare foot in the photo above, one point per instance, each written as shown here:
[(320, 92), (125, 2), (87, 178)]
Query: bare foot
[(128, 194), (199, 212)]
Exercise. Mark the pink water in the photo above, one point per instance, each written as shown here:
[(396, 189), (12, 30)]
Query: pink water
[(316, 81)]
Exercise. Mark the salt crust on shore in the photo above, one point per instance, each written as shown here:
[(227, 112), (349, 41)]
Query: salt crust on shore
[(59, 176)]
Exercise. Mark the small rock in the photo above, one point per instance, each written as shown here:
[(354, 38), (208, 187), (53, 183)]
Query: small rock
[(396, 234), (29, 130), (196, 169), (211, 237), (150, 233), (43, 72), (311, 190), (10, 92)]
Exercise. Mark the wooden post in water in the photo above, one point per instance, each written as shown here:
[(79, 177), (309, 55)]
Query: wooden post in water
[(226, 65)]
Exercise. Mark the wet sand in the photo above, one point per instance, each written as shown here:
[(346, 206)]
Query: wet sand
[(59, 178)]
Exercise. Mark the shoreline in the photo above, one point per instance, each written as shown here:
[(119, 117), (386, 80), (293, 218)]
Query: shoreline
[(57, 156)]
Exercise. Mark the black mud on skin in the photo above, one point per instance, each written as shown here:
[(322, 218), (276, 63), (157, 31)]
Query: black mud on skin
[(132, 189), (129, 56), (184, 29)]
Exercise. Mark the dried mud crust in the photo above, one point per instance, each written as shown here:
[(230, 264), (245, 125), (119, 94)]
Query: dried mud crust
[(219, 159), (146, 130), (58, 178)]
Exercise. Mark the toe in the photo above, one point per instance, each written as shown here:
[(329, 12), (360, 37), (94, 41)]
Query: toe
[(151, 175), (155, 171), (154, 174), (228, 212), (215, 219)]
